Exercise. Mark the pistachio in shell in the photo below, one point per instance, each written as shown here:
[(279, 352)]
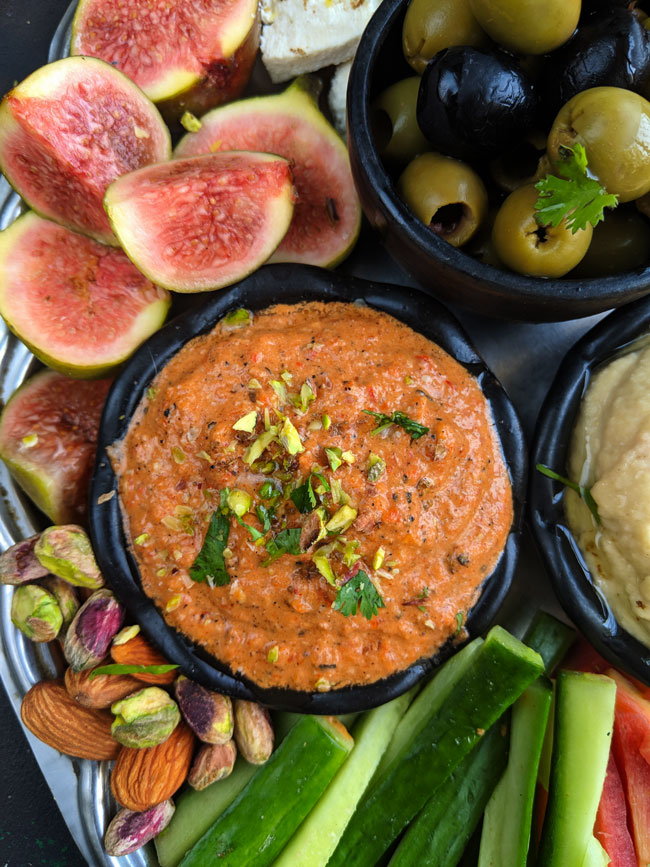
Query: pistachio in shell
[(65, 550), (253, 731), (93, 628), (145, 718), (65, 595), (19, 565), (129, 830), (36, 612), (212, 762), (209, 714)]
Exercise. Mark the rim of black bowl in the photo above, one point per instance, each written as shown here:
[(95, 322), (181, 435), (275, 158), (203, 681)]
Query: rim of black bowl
[(290, 284), (529, 297), (582, 600)]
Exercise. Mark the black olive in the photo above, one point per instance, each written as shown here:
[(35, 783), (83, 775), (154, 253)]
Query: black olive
[(609, 50), (472, 103)]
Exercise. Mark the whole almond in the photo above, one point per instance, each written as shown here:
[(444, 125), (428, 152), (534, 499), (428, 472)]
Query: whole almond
[(138, 651), (142, 778), (102, 690), (61, 722)]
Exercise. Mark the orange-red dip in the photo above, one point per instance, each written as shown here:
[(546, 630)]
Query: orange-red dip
[(441, 511)]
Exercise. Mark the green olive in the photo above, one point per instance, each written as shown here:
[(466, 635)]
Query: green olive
[(527, 26), (431, 25), (394, 123), (528, 248), (620, 243), (447, 195), (613, 125)]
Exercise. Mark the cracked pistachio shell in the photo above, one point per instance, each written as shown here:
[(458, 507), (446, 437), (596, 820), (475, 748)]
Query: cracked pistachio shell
[(65, 595), (36, 612), (19, 564), (93, 628), (253, 731), (145, 718), (212, 762), (209, 714), (66, 551), (129, 831)]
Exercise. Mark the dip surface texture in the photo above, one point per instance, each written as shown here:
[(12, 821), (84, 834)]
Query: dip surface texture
[(439, 512), (610, 453)]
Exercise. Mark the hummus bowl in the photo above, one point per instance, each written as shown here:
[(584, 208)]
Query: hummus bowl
[(129, 439), (585, 599)]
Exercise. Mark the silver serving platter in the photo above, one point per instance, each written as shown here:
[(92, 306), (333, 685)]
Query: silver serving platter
[(523, 356)]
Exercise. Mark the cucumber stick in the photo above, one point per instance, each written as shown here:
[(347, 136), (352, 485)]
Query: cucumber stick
[(505, 838), (501, 669), (264, 816), (595, 855), (317, 837), (584, 719), (438, 836), (550, 638)]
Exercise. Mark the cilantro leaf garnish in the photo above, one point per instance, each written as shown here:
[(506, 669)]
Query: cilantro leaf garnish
[(264, 514), (304, 498), (121, 668), (574, 196), (414, 428), (255, 534), (285, 542), (358, 594), (583, 493), (210, 565)]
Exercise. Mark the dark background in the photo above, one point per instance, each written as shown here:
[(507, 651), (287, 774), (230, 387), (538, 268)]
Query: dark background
[(32, 832)]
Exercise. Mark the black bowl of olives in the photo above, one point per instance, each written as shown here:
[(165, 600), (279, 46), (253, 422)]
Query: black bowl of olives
[(508, 169)]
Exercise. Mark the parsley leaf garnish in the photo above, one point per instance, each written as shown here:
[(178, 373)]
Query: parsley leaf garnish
[(414, 428), (120, 668), (574, 196), (285, 542), (583, 493), (210, 565), (304, 498), (358, 594)]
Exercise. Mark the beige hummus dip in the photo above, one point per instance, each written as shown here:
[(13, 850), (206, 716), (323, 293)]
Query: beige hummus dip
[(610, 453)]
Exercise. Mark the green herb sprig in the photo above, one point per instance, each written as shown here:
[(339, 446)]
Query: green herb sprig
[(210, 565), (358, 594), (414, 428), (583, 493), (304, 498), (572, 195), (120, 668), (285, 542)]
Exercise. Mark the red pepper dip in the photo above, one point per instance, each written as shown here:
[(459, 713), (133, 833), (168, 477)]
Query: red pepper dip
[(315, 494)]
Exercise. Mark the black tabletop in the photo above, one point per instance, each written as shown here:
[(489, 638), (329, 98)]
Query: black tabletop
[(32, 831)]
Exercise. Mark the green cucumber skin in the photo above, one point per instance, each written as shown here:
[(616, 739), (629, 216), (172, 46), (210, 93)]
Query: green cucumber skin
[(507, 824), (550, 638), (262, 819), (438, 836), (584, 719), (501, 670)]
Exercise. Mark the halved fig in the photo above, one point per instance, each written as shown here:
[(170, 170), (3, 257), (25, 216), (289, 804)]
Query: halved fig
[(187, 56), (71, 128), (327, 216), (81, 307), (48, 436), (202, 223)]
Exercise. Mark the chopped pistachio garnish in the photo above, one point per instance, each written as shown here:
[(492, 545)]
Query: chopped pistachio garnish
[(190, 122), (231, 447), (408, 380), (327, 421), (173, 523), (430, 624), (301, 401), (30, 440), (334, 457), (239, 502), (178, 455), (338, 494), (151, 393), (287, 377), (378, 559), (341, 520), (254, 384), (161, 572), (348, 457), (173, 603), (267, 490), (320, 559), (350, 555), (322, 685), (315, 425), (141, 539), (227, 554), (126, 634), (257, 448), (247, 422), (376, 467), (204, 456), (267, 418), (237, 318), (290, 438), (280, 389), (273, 654)]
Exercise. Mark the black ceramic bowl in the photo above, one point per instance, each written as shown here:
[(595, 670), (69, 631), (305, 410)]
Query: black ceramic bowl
[(290, 284), (580, 598), (444, 271)]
